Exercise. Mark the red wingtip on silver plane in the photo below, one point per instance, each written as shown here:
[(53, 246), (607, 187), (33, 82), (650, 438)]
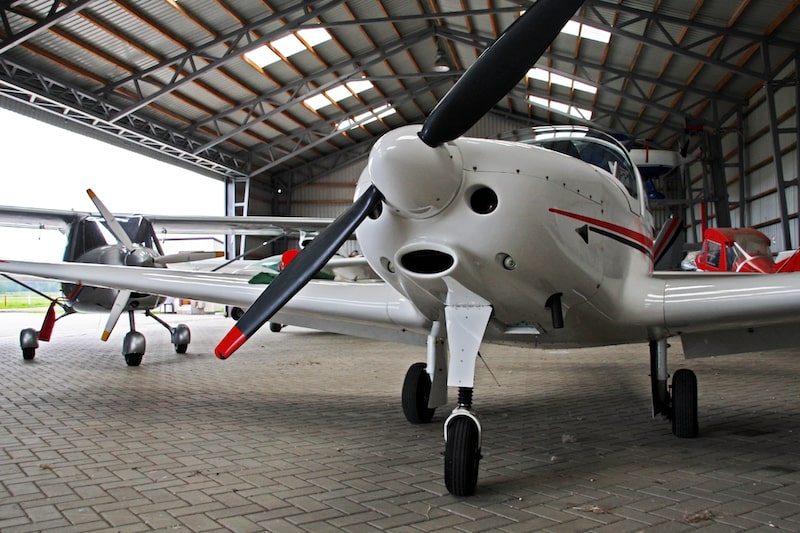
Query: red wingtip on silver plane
[(546, 242)]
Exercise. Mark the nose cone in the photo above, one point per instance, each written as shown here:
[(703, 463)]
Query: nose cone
[(416, 180)]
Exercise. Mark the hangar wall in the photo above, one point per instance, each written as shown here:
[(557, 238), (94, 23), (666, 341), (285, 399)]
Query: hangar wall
[(756, 200)]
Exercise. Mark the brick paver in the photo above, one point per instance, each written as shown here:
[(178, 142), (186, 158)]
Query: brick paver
[(302, 431)]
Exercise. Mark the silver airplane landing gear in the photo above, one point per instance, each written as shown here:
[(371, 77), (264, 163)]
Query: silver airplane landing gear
[(180, 335), (28, 341), (133, 345), (679, 406)]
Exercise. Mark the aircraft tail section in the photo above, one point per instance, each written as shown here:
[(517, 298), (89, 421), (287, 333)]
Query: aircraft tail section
[(667, 248)]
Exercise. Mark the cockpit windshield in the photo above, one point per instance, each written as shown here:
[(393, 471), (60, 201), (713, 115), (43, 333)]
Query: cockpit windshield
[(588, 145)]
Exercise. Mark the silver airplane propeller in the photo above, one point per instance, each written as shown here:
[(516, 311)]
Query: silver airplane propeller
[(135, 255)]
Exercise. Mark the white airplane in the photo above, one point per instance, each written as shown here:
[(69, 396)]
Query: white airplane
[(544, 243)]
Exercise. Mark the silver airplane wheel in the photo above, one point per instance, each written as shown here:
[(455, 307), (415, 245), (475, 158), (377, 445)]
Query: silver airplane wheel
[(415, 395), (684, 404), (462, 454)]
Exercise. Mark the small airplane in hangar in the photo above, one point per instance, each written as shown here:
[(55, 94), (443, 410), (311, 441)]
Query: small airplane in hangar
[(108, 239), (546, 242), (742, 250)]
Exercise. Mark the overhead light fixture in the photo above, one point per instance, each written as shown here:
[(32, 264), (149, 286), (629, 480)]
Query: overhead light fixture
[(440, 64)]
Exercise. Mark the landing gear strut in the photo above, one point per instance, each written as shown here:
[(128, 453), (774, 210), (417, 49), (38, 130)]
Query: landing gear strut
[(133, 345), (179, 335), (681, 405)]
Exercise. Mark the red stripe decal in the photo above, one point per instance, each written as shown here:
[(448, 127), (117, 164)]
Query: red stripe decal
[(640, 238), (232, 341)]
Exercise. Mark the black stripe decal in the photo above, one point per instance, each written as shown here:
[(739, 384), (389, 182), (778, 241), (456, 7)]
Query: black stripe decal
[(619, 238)]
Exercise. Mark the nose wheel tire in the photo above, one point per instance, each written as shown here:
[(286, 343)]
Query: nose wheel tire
[(415, 395), (462, 454), (684, 404)]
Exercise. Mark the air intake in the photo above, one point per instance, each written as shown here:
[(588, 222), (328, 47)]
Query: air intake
[(427, 262)]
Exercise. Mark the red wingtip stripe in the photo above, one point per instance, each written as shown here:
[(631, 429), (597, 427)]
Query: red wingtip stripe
[(232, 341)]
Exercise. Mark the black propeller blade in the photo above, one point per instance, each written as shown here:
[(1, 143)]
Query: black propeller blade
[(497, 70), (299, 272)]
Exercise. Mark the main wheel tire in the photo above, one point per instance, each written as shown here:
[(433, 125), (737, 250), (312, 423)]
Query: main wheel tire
[(181, 348), (416, 393), (684, 404), (462, 454), (134, 359), (28, 353)]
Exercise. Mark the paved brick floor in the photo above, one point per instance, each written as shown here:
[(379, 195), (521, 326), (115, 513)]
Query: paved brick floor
[(302, 431)]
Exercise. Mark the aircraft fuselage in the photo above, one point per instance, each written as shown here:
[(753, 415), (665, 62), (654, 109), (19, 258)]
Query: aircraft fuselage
[(524, 227)]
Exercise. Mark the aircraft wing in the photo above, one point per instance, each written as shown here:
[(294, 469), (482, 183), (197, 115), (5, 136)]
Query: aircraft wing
[(36, 218), (249, 225), (371, 309), (726, 313)]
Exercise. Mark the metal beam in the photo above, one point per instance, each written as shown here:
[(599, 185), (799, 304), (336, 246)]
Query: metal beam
[(354, 67), (35, 89), (54, 16), (322, 131), (200, 55)]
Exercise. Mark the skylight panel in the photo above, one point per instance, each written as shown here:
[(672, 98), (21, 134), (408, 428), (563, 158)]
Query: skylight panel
[(337, 94), (584, 31), (288, 46), (262, 56), (317, 101), (561, 107), (585, 87), (539, 74), (558, 79), (546, 76), (314, 36), (365, 118)]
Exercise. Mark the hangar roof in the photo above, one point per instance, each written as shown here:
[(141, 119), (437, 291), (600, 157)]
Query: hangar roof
[(176, 76)]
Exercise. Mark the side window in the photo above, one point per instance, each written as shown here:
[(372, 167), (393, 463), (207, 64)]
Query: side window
[(608, 159), (713, 254)]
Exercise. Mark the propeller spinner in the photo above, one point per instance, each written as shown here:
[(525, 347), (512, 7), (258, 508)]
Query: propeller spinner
[(491, 77)]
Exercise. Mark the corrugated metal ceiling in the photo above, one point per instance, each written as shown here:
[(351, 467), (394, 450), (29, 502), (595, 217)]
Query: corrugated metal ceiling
[(174, 72)]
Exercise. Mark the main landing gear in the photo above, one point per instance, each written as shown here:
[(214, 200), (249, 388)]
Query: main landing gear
[(133, 345), (424, 389), (681, 405)]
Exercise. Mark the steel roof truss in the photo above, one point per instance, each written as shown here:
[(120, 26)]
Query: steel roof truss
[(232, 51), (360, 63)]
